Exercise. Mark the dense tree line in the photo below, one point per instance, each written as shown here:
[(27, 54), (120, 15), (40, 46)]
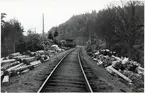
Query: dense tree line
[(32, 41), (77, 27), (122, 29), (118, 28), (13, 40), (11, 33)]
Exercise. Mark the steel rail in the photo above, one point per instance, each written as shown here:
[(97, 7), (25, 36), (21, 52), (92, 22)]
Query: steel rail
[(87, 82), (53, 71)]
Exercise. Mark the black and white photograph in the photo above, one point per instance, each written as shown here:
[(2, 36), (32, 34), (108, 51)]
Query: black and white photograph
[(72, 46)]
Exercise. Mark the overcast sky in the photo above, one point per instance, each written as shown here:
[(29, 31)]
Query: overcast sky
[(29, 12)]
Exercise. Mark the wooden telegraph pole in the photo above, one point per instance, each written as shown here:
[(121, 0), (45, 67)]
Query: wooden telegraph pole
[(43, 32)]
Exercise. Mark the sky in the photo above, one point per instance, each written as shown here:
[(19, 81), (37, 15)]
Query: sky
[(56, 12)]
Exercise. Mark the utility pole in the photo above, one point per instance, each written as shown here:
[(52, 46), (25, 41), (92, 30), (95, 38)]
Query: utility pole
[(43, 31), (35, 29)]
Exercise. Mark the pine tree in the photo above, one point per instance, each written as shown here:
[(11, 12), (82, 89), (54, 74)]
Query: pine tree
[(50, 36), (55, 33)]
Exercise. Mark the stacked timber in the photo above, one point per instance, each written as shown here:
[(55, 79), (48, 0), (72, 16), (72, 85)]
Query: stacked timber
[(35, 62), (14, 67), (14, 54), (17, 64), (128, 70), (21, 56), (11, 65), (20, 69), (28, 60), (110, 69), (14, 64), (7, 61)]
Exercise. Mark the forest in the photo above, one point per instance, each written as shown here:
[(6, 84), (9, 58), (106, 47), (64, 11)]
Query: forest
[(118, 28), (13, 40)]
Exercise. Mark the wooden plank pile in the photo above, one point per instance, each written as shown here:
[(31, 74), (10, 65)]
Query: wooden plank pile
[(17, 64), (123, 67), (110, 69), (7, 61)]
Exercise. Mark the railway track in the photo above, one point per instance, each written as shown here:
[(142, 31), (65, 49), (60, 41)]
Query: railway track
[(67, 76)]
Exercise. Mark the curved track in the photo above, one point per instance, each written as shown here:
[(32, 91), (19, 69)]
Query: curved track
[(67, 76)]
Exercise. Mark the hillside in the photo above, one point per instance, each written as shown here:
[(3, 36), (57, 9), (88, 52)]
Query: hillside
[(121, 28), (77, 28)]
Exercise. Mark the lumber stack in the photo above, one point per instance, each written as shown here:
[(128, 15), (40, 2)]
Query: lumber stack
[(35, 62), (7, 61), (128, 70), (17, 63), (11, 65), (14, 54), (111, 70), (20, 56), (20, 69), (14, 67), (28, 60)]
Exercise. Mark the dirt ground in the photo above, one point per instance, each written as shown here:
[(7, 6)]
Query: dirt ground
[(99, 78), (32, 80)]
